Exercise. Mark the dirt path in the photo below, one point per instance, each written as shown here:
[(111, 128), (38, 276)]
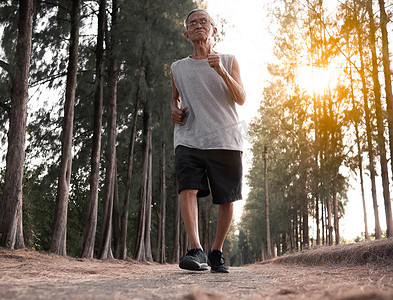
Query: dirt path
[(31, 275)]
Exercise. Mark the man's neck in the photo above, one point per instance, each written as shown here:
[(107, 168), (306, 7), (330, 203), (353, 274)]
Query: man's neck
[(202, 50)]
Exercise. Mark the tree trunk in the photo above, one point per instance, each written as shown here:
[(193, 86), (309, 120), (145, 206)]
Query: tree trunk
[(301, 230), (379, 114), (269, 251), (323, 222), (359, 156), (316, 181), (116, 218), (176, 235), (148, 255), (335, 209), (389, 101), (105, 250), (317, 220), (335, 165), (369, 137), (329, 221), (159, 235), (140, 252), (306, 238), (163, 205), (204, 224), (296, 233), (304, 205), (11, 230), (124, 217), (91, 221), (59, 236), (140, 240), (360, 167)]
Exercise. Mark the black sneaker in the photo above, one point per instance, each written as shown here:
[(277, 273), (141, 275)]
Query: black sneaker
[(217, 262), (194, 260)]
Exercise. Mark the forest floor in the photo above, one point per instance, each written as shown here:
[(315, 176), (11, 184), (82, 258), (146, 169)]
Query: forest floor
[(356, 271)]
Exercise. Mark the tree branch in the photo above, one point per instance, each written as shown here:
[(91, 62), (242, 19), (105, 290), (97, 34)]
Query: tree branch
[(50, 78), (54, 4), (5, 65)]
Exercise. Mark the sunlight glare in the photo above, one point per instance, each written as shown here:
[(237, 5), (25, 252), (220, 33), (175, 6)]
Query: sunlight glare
[(315, 80)]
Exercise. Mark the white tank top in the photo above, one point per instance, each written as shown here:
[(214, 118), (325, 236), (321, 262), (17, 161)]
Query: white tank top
[(211, 120)]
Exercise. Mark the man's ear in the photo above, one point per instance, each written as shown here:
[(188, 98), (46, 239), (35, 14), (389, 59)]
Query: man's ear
[(215, 30), (186, 35)]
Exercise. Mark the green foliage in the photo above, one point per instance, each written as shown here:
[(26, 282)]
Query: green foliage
[(150, 38)]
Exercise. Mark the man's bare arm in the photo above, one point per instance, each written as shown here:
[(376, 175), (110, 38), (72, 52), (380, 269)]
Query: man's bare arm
[(177, 113), (233, 82)]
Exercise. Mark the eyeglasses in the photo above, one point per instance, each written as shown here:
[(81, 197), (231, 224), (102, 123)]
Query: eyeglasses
[(195, 23)]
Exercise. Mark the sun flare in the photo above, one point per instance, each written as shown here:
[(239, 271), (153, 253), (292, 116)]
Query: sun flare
[(316, 80)]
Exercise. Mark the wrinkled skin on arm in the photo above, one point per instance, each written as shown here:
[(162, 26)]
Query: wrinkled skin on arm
[(177, 113), (234, 82)]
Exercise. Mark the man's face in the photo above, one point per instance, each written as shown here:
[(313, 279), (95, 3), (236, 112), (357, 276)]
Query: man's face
[(199, 27)]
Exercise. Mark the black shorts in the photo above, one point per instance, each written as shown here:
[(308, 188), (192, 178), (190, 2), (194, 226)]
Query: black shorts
[(221, 169)]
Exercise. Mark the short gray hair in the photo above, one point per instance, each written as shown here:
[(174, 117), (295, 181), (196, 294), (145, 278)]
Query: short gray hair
[(196, 10)]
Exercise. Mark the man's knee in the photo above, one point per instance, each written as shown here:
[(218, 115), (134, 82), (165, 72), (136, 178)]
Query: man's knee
[(188, 194), (226, 206)]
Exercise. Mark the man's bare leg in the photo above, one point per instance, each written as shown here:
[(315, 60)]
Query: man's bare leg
[(195, 259), (224, 219), (189, 212)]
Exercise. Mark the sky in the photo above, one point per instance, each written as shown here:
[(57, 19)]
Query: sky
[(248, 38)]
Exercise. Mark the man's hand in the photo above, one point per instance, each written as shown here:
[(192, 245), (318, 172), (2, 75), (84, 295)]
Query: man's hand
[(178, 115), (215, 62)]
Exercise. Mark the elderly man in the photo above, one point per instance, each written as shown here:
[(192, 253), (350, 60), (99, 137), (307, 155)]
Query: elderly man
[(206, 87)]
